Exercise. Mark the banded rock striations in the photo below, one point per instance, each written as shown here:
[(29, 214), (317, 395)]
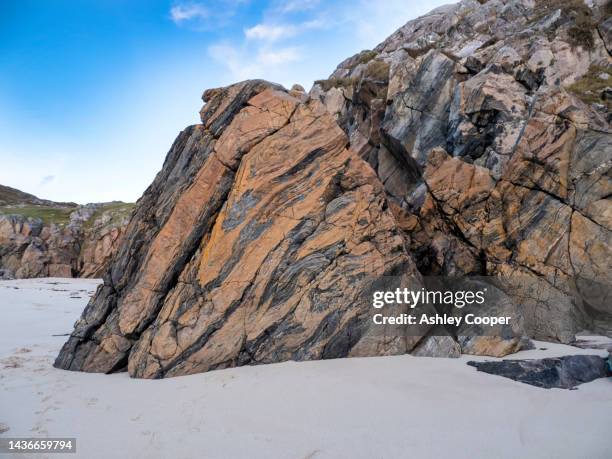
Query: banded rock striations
[(489, 125), (468, 143), (254, 244)]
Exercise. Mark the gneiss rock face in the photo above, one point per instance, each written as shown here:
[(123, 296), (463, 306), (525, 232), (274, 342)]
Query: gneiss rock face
[(466, 143), (488, 125), (254, 244)]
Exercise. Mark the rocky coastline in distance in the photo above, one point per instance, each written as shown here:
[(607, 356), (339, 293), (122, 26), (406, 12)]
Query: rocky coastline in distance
[(42, 238)]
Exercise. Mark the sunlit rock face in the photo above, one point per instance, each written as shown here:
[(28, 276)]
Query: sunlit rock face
[(254, 244), (465, 144)]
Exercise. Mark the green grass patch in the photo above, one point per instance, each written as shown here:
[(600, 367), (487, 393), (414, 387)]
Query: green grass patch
[(377, 70), (366, 56), (335, 83), (580, 32), (57, 215), (589, 87), (118, 211)]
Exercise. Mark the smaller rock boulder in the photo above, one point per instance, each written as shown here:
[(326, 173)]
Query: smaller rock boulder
[(438, 346), (562, 372)]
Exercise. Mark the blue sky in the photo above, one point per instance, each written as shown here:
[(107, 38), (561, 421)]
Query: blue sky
[(92, 93)]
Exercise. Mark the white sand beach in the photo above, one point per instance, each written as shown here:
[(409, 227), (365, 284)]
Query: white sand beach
[(383, 407)]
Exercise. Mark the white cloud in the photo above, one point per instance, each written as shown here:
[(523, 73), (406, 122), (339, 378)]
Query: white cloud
[(236, 62), (270, 32), (47, 179), (187, 11), (274, 32), (244, 63), (292, 6), (277, 57)]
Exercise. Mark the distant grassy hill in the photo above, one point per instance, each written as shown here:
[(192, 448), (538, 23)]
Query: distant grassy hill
[(57, 215), (17, 202), (13, 196)]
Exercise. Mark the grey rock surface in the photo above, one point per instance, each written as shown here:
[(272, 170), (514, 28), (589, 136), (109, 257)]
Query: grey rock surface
[(485, 124), (563, 372), (437, 346)]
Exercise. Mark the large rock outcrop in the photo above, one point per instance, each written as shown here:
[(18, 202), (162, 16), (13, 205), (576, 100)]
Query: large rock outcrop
[(46, 239), (468, 143), (489, 125), (254, 244)]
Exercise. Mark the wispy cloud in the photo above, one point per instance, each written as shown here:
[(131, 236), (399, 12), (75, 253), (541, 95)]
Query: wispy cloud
[(182, 12), (279, 56), (274, 32), (244, 63), (269, 32), (292, 6), (47, 179)]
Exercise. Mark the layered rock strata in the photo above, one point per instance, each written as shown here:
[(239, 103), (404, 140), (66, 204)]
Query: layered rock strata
[(254, 244), (473, 141), (488, 124)]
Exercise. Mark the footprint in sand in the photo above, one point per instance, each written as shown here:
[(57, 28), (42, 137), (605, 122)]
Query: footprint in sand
[(12, 362), (40, 429)]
